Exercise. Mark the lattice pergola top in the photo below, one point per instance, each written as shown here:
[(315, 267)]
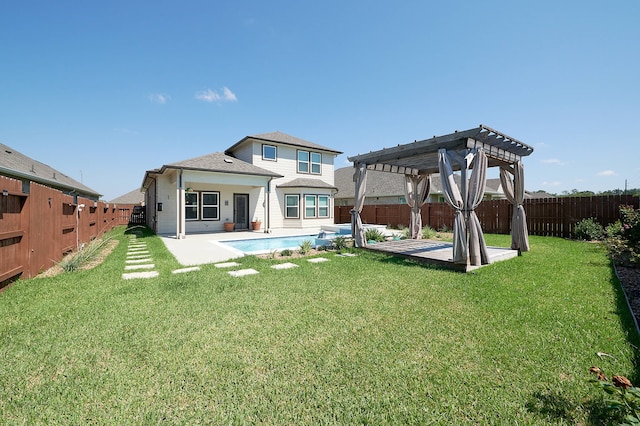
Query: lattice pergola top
[(421, 157)]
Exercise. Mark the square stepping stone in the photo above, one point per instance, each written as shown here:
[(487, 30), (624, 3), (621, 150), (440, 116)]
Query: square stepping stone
[(138, 255), (145, 266), (346, 255), (242, 272), (287, 265), (132, 275), (184, 270), (141, 260), (132, 250), (318, 260), (137, 246), (226, 264)]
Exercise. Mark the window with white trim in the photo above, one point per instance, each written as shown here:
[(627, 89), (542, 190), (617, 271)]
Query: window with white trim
[(210, 206), (292, 206), (191, 206), (309, 162), (269, 152)]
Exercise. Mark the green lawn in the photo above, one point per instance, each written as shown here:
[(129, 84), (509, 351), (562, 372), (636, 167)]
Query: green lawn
[(364, 340)]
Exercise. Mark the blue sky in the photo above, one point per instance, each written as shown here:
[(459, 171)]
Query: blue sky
[(104, 91)]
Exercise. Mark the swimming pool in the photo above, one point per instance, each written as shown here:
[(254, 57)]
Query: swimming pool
[(267, 245)]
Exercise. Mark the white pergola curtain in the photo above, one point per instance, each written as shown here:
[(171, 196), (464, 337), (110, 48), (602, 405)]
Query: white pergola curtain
[(478, 253), (514, 191), (468, 239), (357, 230), (416, 190)]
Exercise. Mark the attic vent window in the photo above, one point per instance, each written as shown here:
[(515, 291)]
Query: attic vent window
[(228, 160)]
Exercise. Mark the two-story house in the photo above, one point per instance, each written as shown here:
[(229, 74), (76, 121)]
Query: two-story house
[(274, 178)]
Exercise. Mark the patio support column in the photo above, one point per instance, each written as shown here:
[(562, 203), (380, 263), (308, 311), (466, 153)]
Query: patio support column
[(180, 205), (357, 230)]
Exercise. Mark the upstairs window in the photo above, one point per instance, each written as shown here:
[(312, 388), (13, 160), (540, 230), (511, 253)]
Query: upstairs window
[(309, 162), (269, 152)]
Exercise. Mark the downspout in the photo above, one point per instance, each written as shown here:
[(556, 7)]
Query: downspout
[(180, 225)]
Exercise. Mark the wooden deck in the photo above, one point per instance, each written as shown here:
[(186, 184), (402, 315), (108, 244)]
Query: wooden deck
[(435, 252)]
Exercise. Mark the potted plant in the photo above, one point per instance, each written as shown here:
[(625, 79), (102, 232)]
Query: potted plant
[(228, 225), (255, 224)]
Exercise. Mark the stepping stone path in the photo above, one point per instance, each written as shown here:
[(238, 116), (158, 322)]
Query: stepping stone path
[(138, 257), (184, 270), (287, 265)]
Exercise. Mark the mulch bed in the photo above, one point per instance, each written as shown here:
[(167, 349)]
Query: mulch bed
[(630, 280)]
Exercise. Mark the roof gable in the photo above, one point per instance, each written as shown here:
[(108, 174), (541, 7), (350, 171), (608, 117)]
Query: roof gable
[(16, 164), (284, 139)]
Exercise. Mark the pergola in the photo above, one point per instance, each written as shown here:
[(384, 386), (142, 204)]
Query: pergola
[(470, 152)]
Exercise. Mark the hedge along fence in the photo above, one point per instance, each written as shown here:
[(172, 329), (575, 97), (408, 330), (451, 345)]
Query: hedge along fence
[(39, 225), (545, 216)]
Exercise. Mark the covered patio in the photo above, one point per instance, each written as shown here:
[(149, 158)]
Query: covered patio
[(468, 152)]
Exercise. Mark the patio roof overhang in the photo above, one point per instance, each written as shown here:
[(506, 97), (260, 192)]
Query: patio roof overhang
[(421, 157)]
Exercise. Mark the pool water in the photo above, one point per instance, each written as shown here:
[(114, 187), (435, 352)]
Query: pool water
[(266, 245)]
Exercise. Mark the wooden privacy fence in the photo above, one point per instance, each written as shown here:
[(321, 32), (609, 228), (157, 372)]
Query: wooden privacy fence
[(545, 216), (39, 225)]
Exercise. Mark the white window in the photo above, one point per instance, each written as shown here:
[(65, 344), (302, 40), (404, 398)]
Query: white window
[(303, 162), (292, 206), (269, 152), (210, 206), (310, 206), (323, 206), (191, 206), (309, 162), (316, 206), (316, 162)]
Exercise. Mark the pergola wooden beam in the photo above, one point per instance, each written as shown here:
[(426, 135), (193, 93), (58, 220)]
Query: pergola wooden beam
[(421, 157)]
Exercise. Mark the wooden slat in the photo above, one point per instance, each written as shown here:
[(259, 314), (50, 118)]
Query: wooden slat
[(11, 234)]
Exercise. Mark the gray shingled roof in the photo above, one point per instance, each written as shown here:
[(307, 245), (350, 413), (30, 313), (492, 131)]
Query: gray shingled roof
[(283, 138), (219, 162), (18, 165), (383, 184), (306, 183), (134, 197)]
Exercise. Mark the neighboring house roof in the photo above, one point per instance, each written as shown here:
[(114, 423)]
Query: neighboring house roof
[(306, 183), (383, 184), (134, 197), (17, 165), (285, 139), (537, 195)]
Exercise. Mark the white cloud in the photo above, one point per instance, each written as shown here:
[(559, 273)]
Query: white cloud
[(606, 173), (213, 96), (554, 161), (159, 98), (554, 183)]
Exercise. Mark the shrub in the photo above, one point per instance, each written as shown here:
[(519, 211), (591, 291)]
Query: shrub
[(373, 234), (428, 232), (624, 398), (305, 247), (623, 238), (339, 242), (286, 252), (588, 230), (75, 261)]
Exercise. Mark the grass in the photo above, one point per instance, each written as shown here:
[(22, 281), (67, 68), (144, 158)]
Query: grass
[(361, 340)]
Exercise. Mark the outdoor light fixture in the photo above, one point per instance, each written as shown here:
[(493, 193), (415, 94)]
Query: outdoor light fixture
[(5, 193)]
